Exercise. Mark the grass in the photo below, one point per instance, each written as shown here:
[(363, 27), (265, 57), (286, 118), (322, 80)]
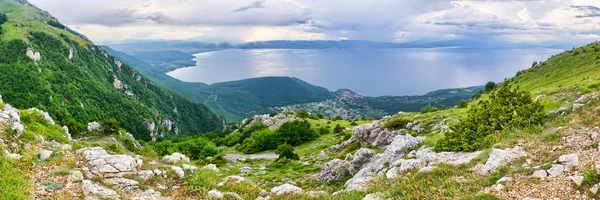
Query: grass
[(14, 182)]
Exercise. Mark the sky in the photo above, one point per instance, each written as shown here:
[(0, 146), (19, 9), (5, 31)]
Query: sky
[(540, 22)]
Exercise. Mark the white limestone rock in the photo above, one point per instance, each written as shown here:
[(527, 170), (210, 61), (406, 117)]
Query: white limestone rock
[(178, 170), (93, 191), (45, 154), (176, 158), (499, 157), (286, 189), (215, 194)]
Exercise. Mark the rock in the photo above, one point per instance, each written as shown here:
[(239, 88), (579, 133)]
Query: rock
[(427, 169), (570, 161), (149, 194), (189, 168), (45, 154), (246, 169), (92, 191), (175, 158), (263, 198), (211, 167), (235, 179), (93, 126), (361, 157), (540, 174), (146, 174), (577, 106), (44, 114), (359, 183), (373, 134), (453, 158), (11, 117), (215, 194), (231, 195), (372, 196), (127, 186), (178, 171), (35, 56), (272, 122), (412, 164), (75, 176), (316, 194), (594, 189), (263, 193), (499, 157), (504, 180), (577, 180), (286, 189), (401, 144), (333, 170), (67, 147), (392, 173), (70, 53), (556, 170)]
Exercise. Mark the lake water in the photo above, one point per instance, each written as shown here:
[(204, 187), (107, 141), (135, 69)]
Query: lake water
[(368, 72)]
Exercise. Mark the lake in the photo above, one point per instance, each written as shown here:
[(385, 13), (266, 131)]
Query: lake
[(368, 72)]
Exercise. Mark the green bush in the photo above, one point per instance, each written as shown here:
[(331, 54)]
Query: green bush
[(286, 151), (396, 123), (320, 116), (14, 182), (428, 108), (463, 104), (193, 147), (590, 178), (338, 118), (338, 129), (353, 123), (75, 127), (110, 127), (506, 107), (324, 130), (296, 132), (302, 113)]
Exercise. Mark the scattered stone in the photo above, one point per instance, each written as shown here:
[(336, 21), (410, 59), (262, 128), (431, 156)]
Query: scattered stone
[(333, 170), (286, 189), (316, 194), (556, 170), (392, 173), (372, 196), (211, 167), (93, 191), (426, 169), (570, 161), (246, 169), (190, 168), (235, 179), (577, 106), (75, 176), (175, 158), (215, 194), (402, 143), (45, 154), (499, 157), (412, 164), (149, 194), (504, 180), (231, 195), (263, 193), (178, 170), (361, 157), (577, 180)]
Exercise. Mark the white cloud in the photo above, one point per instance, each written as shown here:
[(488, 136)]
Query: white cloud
[(525, 15)]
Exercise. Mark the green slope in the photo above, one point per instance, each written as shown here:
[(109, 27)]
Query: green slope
[(576, 68), (85, 87)]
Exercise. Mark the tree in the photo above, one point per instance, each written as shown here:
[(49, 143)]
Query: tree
[(338, 118), (302, 113), (338, 129), (320, 116), (428, 108), (489, 86), (296, 132), (110, 127), (75, 127), (463, 104), (363, 118), (286, 151)]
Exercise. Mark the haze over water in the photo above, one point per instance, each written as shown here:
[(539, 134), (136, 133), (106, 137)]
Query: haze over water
[(368, 72)]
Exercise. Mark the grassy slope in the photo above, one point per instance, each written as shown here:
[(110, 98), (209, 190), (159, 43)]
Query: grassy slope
[(86, 82)]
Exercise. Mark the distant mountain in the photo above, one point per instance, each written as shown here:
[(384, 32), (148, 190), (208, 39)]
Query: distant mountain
[(45, 65), (241, 99)]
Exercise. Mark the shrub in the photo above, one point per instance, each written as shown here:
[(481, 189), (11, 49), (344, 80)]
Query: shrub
[(273, 114), (302, 113), (200, 181), (338, 118), (320, 116), (396, 123), (338, 129), (286, 151), (324, 130), (428, 108), (296, 132), (363, 118), (110, 127), (506, 107), (463, 104), (75, 127), (353, 123), (590, 178)]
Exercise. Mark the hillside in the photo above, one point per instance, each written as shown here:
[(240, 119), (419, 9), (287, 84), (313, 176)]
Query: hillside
[(48, 66)]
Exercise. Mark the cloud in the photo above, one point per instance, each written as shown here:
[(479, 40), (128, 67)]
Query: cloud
[(253, 5), (525, 15), (588, 11)]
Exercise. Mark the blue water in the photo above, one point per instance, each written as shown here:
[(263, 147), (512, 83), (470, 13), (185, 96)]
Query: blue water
[(368, 72)]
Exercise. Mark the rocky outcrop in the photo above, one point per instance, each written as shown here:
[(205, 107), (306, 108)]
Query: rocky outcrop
[(93, 126), (360, 158), (176, 158), (93, 191), (109, 166), (35, 56), (401, 144), (333, 170), (499, 157), (47, 116), (11, 118), (272, 122), (374, 134), (70, 53)]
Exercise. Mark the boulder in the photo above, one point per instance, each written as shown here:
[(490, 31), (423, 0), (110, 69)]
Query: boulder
[(11, 117), (45, 154), (412, 164), (372, 196), (93, 126), (427, 169), (106, 165), (75, 176), (333, 170), (127, 186), (453, 158), (540, 174), (401, 144), (215, 194), (393, 173), (361, 157), (235, 179), (246, 169), (359, 184), (231, 195), (149, 194), (93, 191), (577, 106), (211, 167), (556, 170), (499, 157), (189, 168), (175, 158), (146, 174), (570, 161), (577, 180), (178, 170), (316, 194), (286, 189)]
